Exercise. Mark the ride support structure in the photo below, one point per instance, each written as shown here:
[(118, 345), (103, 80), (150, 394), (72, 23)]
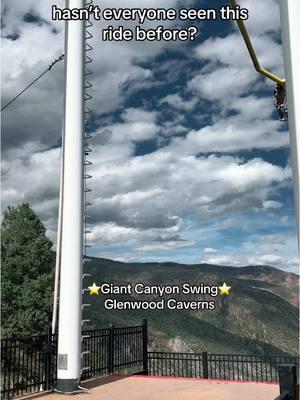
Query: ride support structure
[(287, 91), (71, 260), (290, 30)]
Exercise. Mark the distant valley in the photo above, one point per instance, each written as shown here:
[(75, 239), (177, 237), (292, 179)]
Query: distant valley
[(260, 316)]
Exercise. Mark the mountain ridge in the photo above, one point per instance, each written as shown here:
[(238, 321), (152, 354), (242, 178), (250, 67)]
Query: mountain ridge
[(259, 317)]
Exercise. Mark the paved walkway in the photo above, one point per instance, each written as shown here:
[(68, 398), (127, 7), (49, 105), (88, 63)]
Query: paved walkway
[(153, 388)]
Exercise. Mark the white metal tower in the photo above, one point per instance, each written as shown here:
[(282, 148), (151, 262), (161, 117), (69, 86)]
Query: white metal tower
[(290, 27), (70, 293)]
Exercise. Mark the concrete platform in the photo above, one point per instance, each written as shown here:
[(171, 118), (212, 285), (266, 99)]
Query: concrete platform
[(160, 388)]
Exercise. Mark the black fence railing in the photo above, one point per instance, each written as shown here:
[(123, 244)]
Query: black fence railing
[(29, 364), (180, 365), (218, 366), (26, 364), (113, 350)]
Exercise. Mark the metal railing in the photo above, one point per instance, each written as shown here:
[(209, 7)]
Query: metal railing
[(218, 366), (26, 364), (113, 350), (180, 365), (29, 364)]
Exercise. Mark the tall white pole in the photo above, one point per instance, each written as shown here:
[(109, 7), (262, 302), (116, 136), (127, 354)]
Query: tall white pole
[(70, 297), (58, 245), (290, 28)]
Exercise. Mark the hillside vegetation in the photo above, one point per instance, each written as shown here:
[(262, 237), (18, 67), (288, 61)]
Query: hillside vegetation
[(259, 317)]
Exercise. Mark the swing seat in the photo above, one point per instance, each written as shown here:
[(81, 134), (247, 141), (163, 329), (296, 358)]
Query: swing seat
[(280, 101)]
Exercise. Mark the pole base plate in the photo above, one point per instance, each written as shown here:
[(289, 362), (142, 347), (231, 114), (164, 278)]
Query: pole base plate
[(69, 386)]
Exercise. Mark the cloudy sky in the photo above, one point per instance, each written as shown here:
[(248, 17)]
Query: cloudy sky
[(190, 161)]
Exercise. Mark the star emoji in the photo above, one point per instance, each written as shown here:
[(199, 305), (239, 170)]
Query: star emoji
[(94, 289), (224, 289)]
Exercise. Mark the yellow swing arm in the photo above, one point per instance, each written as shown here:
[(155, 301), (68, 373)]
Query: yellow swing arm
[(251, 50)]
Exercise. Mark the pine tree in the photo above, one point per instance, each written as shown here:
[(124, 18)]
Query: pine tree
[(27, 273)]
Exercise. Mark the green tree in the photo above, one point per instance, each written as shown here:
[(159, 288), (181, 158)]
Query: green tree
[(27, 273)]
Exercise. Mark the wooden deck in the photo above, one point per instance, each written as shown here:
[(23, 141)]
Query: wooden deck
[(160, 388)]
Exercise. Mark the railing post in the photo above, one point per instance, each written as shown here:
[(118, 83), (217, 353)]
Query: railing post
[(48, 359), (205, 365), (111, 349), (288, 380), (145, 347)]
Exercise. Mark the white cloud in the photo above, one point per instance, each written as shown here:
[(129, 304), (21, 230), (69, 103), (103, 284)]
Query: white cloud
[(34, 180), (284, 220), (220, 84), (111, 233), (231, 52), (222, 260), (136, 131), (167, 246), (137, 115), (269, 259), (143, 197), (263, 16), (272, 204), (176, 101), (146, 192), (138, 125), (209, 250), (232, 135), (256, 259), (272, 238)]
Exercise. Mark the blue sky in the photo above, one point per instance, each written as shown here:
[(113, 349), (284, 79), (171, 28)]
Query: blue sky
[(190, 161)]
